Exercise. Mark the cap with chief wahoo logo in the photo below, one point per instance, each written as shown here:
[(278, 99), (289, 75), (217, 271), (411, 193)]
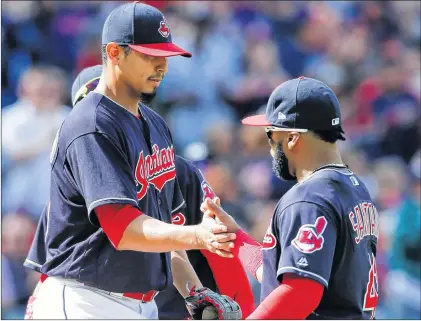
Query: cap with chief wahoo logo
[(143, 28)]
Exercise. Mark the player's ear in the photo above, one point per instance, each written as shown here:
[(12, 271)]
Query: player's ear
[(292, 139), (113, 53)]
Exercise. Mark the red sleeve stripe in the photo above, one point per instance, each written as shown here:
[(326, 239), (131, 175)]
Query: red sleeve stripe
[(234, 284), (294, 299), (114, 219)]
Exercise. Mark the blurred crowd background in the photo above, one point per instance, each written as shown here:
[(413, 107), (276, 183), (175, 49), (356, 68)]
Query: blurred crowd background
[(368, 52)]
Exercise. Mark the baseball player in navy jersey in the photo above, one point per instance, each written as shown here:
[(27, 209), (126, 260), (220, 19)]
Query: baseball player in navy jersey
[(194, 189), (319, 252), (108, 232)]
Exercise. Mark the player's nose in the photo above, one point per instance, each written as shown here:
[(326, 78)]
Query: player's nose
[(161, 64)]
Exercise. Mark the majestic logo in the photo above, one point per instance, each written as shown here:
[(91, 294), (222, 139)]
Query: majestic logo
[(269, 241), (309, 238), (164, 29), (156, 169), (302, 262), (207, 191), (178, 219)]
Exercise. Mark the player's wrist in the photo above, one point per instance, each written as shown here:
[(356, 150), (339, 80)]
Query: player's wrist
[(198, 241), (241, 237)]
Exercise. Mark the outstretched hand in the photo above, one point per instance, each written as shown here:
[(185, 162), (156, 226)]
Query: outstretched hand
[(214, 237), (213, 209)]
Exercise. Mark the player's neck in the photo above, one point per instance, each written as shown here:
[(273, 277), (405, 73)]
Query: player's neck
[(119, 95), (312, 163)]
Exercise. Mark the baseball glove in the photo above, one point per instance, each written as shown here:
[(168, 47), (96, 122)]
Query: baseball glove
[(199, 299)]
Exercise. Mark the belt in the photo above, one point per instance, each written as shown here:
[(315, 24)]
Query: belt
[(143, 297)]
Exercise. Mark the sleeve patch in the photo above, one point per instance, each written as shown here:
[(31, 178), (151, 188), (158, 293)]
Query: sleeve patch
[(310, 238)]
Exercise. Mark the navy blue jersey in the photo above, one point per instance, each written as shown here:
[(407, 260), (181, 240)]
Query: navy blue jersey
[(326, 229), (103, 154), (194, 189)]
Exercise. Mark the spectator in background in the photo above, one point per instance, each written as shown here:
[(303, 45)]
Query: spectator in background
[(28, 131), (391, 180), (404, 279), (17, 282), (396, 112), (221, 178), (261, 75), (381, 20), (412, 62), (317, 25), (197, 103), (357, 160)]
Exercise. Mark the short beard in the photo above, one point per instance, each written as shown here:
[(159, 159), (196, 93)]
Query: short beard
[(280, 164), (147, 98)]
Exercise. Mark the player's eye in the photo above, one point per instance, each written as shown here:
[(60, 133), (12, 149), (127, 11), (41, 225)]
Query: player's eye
[(269, 134)]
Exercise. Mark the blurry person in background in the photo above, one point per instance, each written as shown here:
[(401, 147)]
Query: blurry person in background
[(220, 138), (396, 112), (381, 20), (391, 186), (222, 179), (391, 178), (17, 282), (254, 163), (209, 32), (28, 130), (316, 26), (357, 160), (412, 63), (404, 277), (262, 72)]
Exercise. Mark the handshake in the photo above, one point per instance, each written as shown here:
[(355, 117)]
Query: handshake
[(216, 232)]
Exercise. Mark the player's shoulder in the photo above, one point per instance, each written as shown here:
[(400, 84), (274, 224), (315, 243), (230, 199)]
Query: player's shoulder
[(96, 113), (81, 120), (326, 188)]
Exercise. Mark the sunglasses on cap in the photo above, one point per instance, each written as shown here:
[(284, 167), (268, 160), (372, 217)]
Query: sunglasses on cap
[(270, 129), (85, 89)]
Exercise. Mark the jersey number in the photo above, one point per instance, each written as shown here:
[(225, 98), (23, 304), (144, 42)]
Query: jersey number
[(372, 295)]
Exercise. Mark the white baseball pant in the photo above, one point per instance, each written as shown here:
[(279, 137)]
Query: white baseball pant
[(59, 298)]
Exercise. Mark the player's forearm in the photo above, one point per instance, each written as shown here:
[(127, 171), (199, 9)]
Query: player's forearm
[(249, 252), (231, 280), (184, 275), (147, 234), (128, 228)]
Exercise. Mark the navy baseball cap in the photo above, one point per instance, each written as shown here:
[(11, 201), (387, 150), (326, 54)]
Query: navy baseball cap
[(143, 28), (86, 81), (300, 104)]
